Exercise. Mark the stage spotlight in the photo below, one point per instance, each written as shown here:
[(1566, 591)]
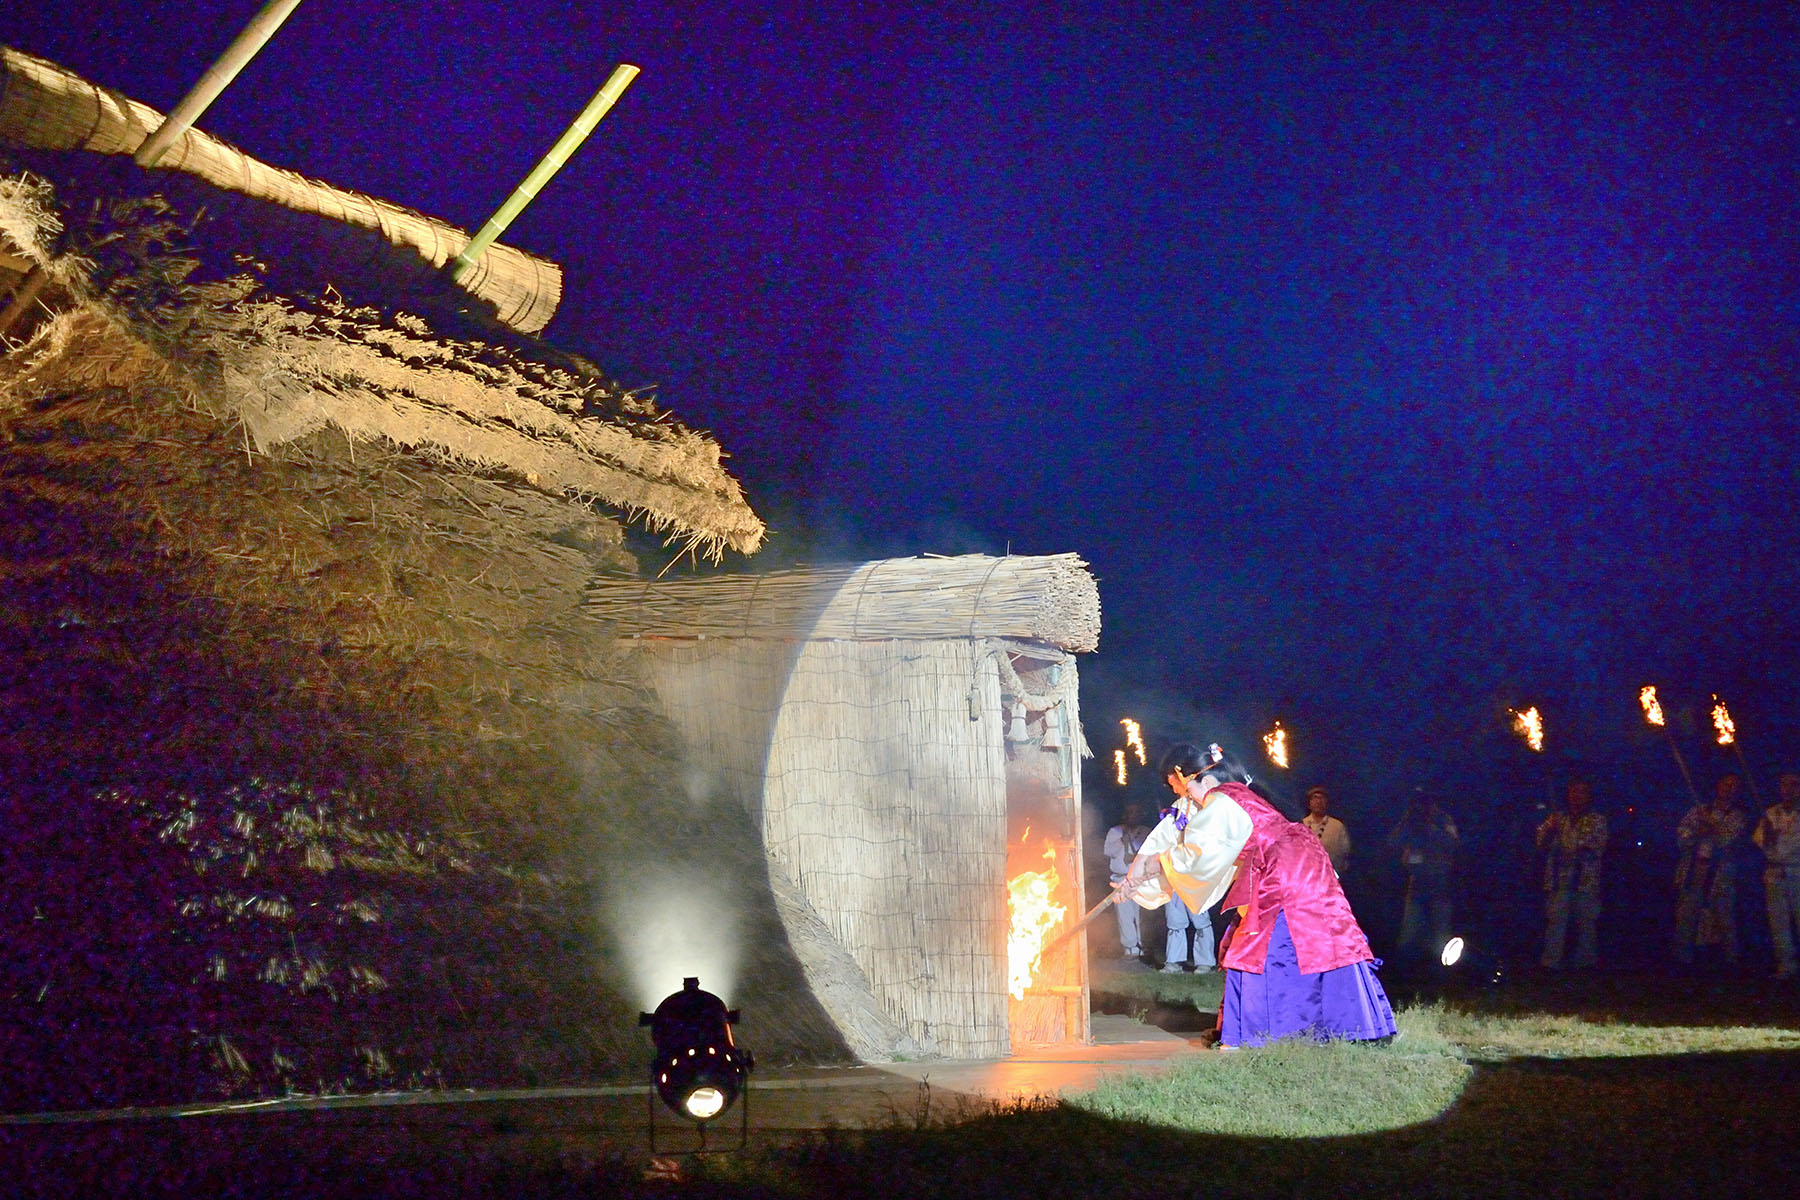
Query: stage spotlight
[(699, 1070)]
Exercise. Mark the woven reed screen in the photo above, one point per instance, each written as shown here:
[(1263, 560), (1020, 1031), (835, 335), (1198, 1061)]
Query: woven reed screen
[(881, 802), (48, 108)]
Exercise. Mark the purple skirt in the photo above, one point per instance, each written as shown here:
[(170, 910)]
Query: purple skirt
[(1346, 1002)]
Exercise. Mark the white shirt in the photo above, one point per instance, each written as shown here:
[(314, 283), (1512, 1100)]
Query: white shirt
[(1122, 846), (1331, 831), (1778, 834), (1201, 860)]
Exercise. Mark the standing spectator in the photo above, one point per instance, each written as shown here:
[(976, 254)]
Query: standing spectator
[(1778, 836), (1425, 840), (1123, 841), (1572, 842), (1331, 831), (1706, 874)]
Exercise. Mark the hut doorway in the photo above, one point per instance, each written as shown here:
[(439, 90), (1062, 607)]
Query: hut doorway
[(1047, 1002)]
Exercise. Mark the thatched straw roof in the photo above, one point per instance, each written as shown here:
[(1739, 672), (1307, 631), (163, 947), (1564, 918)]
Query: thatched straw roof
[(286, 369), (1045, 598), (45, 107)]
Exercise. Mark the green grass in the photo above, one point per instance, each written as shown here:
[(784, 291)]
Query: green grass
[(1299, 1089), (1491, 1038), (1292, 1089)]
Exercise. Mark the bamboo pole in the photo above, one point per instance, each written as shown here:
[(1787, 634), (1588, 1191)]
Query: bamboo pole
[(218, 77), (548, 166), (1682, 763)]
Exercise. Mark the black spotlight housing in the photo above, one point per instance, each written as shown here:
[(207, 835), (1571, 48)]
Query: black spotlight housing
[(698, 1070)]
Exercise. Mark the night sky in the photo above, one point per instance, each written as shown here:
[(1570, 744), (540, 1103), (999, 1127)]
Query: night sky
[(1392, 365)]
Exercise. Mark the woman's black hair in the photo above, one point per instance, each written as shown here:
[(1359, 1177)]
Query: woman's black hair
[(1191, 760)]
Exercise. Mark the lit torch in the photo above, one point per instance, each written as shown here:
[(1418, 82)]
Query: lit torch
[(1134, 739), (1035, 912), (1275, 742), (1530, 726), (1119, 766), (1653, 713), (1726, 729)]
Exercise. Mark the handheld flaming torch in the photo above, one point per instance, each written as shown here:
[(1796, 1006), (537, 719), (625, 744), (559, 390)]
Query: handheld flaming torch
[(1653, 713), (1119, 766), (1134, 740), (1275, 742), (1726, 729), (1529, 725)]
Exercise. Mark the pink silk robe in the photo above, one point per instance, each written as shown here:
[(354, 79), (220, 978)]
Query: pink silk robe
[(1284, 869)]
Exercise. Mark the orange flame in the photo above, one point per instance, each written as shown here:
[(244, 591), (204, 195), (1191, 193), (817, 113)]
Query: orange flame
[(1530, 725), (1722, 722), (1119, 765), (1275, 742), (1134, 740), (1652, 706), (1035, 914)]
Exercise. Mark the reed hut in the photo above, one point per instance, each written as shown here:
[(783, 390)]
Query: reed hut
[(313, 765), (905, 736)]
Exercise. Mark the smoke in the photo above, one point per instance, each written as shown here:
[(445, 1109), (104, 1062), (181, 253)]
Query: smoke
[(674, 922), (674, 908)]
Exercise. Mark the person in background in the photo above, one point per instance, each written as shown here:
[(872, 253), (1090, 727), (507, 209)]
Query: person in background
[(1706, 874), (1122, 843), (1189, 934), (1297, 963), (1426, 842), (1777, 835), (1572, 842), (1331, 831)]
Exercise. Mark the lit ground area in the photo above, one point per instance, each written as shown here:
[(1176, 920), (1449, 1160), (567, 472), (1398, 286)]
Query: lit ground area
[(1617, 1085)]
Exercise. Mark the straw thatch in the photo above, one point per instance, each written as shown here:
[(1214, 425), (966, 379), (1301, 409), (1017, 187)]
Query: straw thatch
[(285, 369), (46, 107), (315, 768), (1047, 598)]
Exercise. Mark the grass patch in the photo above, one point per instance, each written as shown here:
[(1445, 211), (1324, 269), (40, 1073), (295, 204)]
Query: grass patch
[(1295, 1088), (1490, 1038), (1201, 991)]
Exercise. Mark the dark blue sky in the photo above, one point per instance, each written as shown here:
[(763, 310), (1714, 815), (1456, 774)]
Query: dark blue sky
[(1391, 364)]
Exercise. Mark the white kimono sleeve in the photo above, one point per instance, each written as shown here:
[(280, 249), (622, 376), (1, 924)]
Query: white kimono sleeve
[(1201, 863)]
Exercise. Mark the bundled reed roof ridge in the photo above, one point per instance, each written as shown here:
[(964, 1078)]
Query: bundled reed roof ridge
[(1046, 598), (48, 108)]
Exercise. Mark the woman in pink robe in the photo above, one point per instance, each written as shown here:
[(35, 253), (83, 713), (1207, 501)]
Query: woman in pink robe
[(1297, 963)]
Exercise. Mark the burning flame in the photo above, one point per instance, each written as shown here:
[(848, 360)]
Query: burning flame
[(1530, 726), (1119, 764), (1275, 742), (1134, 740), (1035, 914), (1723, 723), (1652, 706)]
